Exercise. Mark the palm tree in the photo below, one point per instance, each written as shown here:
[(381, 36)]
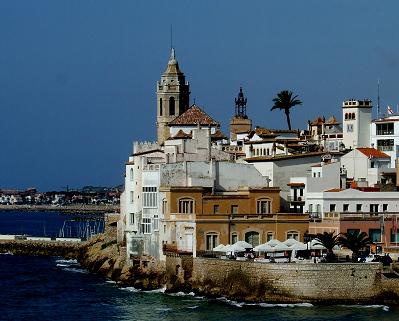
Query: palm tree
[(354, 241), (328, 240), (285, 101)]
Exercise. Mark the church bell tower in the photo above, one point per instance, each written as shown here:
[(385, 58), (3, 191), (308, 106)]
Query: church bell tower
[(173, 94), (240, 122)]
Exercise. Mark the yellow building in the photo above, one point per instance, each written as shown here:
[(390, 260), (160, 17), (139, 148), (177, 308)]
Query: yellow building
[(197, 220)]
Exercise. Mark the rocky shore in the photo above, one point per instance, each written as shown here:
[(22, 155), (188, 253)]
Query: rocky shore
[(241, 281)]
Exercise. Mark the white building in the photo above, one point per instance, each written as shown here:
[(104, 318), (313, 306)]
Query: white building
[(356, 115), (323, 176), (280, 169), (353, 201), (385, 136), (366, 165)]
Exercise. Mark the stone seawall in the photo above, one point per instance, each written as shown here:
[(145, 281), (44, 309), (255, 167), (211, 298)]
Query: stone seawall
[(42, 248), (345, 283)]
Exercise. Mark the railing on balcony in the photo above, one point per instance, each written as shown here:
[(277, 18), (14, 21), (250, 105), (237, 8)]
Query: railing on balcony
[(295, 199), (358, 215)]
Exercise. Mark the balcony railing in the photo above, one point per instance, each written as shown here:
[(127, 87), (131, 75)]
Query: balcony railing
[(295, 199), (359, 215)]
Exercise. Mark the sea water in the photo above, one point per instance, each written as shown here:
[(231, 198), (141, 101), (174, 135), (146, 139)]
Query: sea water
[(52, 288)]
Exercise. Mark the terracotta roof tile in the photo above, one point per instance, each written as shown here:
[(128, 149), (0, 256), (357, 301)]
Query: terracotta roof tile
[(182, 135), (194, 116), (218, 135), (372, 152), (334, 190)]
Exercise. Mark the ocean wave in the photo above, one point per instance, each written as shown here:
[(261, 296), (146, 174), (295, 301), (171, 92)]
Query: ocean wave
[(161, 290), (192, 294), (75, 270), (367, 306), (193, 307), (63, 261), (163, 309), (231, 302), (285, 305), (110, 281), (6, 253), (130, 289)]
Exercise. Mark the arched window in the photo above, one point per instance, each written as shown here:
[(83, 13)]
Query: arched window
[(171, 106), (263, 206), (293, 235), (131, 174), (252, 238), (211, 241), (346, 115), (186, 206), (160, 106), (353, 115)]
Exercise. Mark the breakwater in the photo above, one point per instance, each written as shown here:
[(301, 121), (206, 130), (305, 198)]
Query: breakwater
[(76, 208), (42, 248)]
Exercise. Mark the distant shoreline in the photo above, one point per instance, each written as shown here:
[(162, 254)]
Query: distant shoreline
[(65, 208)]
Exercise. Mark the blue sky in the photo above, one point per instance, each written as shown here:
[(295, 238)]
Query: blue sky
[(77, 77)]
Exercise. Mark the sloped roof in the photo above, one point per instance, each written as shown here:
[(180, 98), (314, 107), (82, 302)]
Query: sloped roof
[(194, 116), (173, 65), (372, 152), (218, 135), (321, 120), (181, 135), (317, 121), (332, 121)]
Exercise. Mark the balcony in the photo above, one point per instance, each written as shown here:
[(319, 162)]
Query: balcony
[(296, 199), (358, 216)]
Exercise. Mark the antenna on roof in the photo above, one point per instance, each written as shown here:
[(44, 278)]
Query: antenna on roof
[(378, 98), (171, 36)]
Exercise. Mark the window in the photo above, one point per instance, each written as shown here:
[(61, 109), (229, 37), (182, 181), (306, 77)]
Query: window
[(171, 106), (372, 164), (293, 235), (234, 209), (150, 197), (234, 238), (385, 207), (269, 236), (164, 204), (375, 235), (156, 222), (374, 208), (358, 207), (212, 240), (160, 106), (395, 236), (345, 208), (131, 174), (349, 128), (186, 206), (131, 218), (301, 192), (131, 197), (353, 116), (385, 144), (146, 225), (263, 206), (385, 129), (332, 207), (352, 230), (215, 209), (252, 238)]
